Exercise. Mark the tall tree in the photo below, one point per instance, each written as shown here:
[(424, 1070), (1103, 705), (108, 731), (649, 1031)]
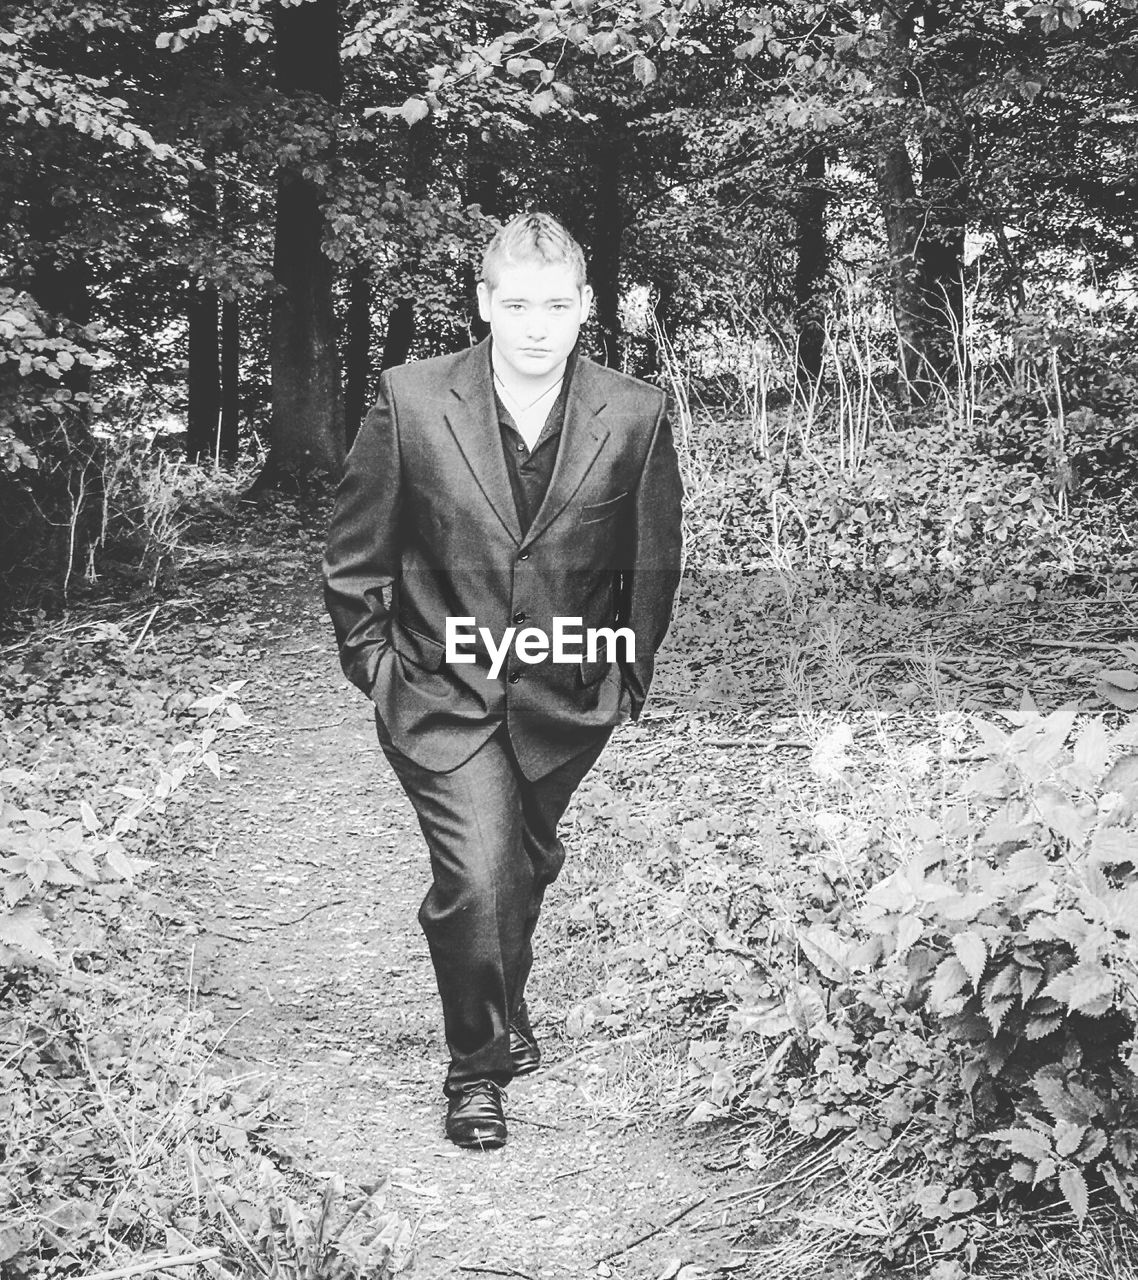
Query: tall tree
[(203, 318), (307, 427)]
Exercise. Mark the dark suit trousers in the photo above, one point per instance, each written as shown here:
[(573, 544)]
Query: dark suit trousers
[(492, 836)]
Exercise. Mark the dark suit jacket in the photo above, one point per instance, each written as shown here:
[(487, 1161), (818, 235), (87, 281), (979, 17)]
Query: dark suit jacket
[(425, 528)]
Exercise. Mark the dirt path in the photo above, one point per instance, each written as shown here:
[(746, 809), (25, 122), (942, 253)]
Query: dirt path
[(311, 872)]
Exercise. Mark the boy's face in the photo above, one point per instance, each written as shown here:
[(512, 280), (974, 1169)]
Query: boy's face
[(535, 312)]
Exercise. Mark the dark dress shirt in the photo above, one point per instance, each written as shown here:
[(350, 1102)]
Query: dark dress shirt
[(530, 470)]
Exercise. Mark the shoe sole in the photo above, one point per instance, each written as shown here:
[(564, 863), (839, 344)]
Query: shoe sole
[(479, 1144)]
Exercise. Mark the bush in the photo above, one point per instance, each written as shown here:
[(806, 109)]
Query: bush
[(974, 1010)]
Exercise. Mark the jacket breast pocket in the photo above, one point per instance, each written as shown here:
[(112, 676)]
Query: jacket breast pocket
[(595, 512), (423, 651)]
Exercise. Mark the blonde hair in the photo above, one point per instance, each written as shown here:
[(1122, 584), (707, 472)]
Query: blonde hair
[(532, 237)]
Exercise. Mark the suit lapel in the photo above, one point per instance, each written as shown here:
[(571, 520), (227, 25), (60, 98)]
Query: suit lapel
[(582, 436), (473, 419)]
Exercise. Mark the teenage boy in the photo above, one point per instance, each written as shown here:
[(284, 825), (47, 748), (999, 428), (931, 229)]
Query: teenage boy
[(495, 503)]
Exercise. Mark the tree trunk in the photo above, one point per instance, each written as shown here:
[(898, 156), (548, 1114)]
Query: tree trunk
[(608, 226), (944, 190), (62, 288), (898, 196), (230, 442), (400, 334), (483, 181), (203, 381), (897, 193), (307, 425), (357, 351), (812, 263)]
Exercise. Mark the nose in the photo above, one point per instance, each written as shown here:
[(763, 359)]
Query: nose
[(536, 325)]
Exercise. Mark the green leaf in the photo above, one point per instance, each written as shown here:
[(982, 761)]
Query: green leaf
[(827, 951), (993, 738), (1115, 1181), (1119, 688), (949, 980), (1086, 987), (805, 1008), (972, 954), (1068, 1137), (1114, 845), (1024, 1142), (1074, 1188), (1092, 748), (644, 69), (414, 110), (120, 864), (996, 1009), (1123, 775), (21, 929), (1061, 815), (1092, 1146)]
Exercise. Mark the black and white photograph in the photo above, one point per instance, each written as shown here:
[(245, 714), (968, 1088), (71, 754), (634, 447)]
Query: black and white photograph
[(569, 640)]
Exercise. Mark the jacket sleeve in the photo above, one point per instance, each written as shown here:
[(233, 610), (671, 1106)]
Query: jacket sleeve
[(362, 559), (650, 579)]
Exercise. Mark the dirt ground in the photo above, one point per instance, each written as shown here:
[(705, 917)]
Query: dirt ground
[(307, 881)]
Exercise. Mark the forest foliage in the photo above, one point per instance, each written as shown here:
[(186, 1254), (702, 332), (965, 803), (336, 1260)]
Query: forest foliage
[(226, 219)]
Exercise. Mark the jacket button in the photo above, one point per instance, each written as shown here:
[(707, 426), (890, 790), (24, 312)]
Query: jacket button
[(519, 617), (515, 676), (523, 555)]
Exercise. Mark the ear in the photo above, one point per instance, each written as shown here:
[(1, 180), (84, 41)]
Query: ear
[(586, 301), (484, 300)]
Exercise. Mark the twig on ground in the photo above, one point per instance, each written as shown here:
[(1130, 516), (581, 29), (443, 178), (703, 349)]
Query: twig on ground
[(497, 1271), (320, 906), (50, 637), (558, 1068), (145, 628), (809, 1168), (1078, 645), (655, 1231), (277, 924), (536, 1124), (152, 1264), (759, 742)]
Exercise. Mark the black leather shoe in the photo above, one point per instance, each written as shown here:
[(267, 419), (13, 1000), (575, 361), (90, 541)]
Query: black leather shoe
[(523, 1043), (474, 1117)]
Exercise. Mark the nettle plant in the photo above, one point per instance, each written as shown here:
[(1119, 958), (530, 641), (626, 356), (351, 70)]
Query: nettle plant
[(974, 1010), (1016, 926), (45, 853)]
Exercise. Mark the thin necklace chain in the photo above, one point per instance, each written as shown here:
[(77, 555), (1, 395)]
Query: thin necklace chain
[(515, 402)]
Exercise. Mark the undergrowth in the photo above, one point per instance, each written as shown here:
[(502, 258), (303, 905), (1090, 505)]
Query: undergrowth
[(125, 1143), (1018, 468), (902, 933)]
